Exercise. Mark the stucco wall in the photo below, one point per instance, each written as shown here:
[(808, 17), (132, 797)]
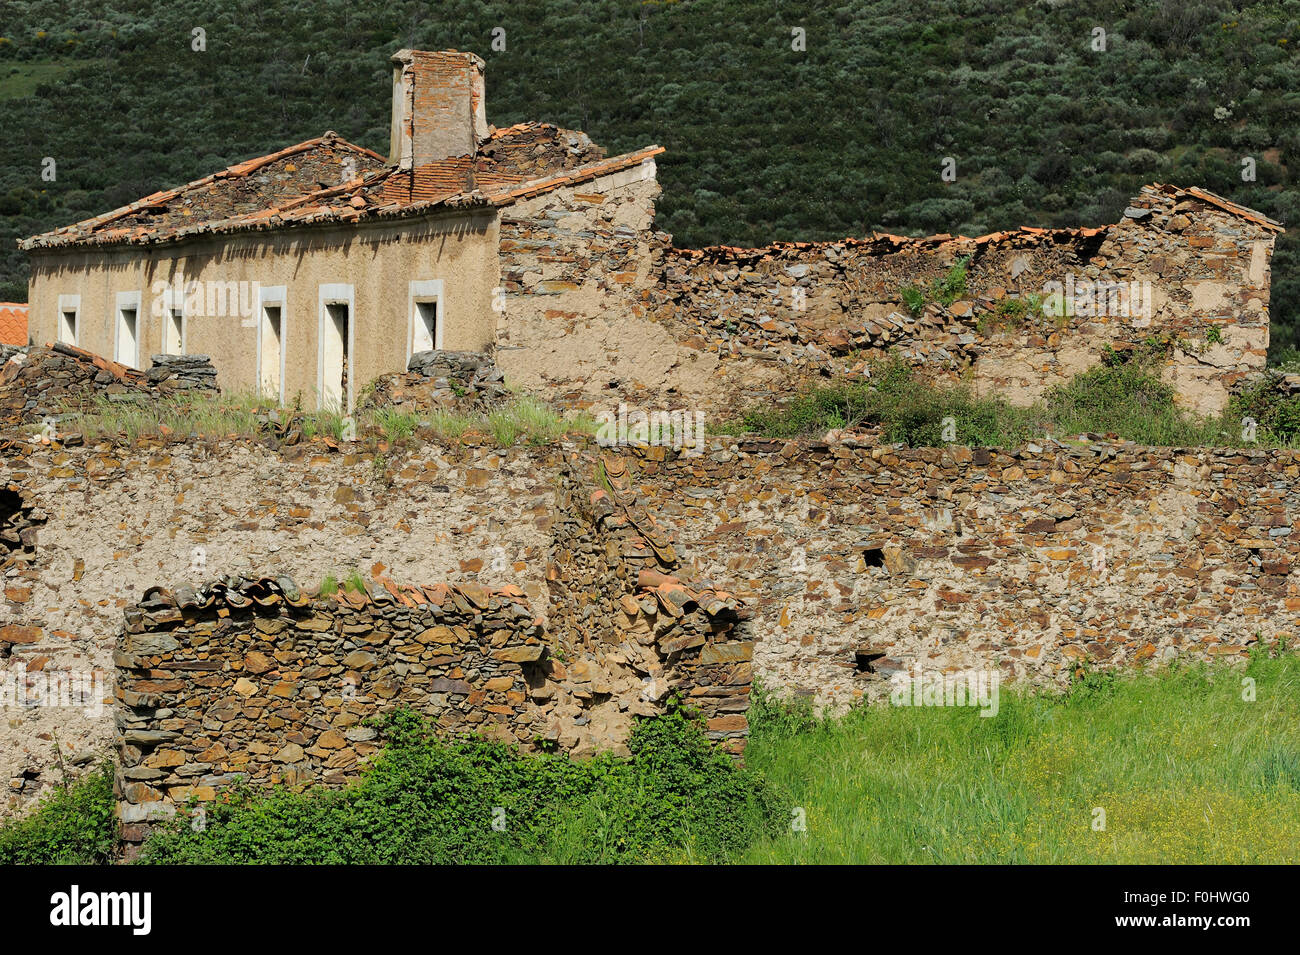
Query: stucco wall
[(378, 261), (576, 265)]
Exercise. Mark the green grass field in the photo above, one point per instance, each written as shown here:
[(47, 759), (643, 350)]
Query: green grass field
[(1186, 770)]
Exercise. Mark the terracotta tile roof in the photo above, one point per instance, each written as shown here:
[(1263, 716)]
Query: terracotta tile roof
[(883, 243), (331, 180), (244, 193), (13, 323), (1227, 205)]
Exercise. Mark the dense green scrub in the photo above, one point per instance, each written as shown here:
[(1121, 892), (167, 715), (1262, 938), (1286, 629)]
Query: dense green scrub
[(770, 134)]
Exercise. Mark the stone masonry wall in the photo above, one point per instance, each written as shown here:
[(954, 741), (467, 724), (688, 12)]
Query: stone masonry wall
[(842, 564), (600, 309), (256, 681), (618, 603), (253, 679), (861, 562), (47, 381), (88, 530), (95, 527), (822, 308)]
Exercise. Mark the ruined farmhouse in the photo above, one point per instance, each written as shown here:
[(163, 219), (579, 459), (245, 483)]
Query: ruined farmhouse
[(312, 271), (549, 595), (322, 265)]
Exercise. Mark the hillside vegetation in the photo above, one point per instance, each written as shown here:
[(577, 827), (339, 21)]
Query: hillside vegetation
[(764, 141)]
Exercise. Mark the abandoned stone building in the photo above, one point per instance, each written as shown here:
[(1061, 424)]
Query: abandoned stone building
[(313, 270), (317, 268)]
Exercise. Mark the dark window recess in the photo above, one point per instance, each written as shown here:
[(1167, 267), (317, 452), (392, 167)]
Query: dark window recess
[(873, 556), (864, 660)]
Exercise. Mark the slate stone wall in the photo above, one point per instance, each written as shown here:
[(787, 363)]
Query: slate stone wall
[(826, 307), (858, 563), (599, 308), (254, 680)]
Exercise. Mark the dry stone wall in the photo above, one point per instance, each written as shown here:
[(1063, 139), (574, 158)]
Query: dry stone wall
[(253, 680), (45, 382)]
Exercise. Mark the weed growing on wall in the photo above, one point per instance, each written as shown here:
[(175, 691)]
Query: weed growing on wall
[(1121, 397)]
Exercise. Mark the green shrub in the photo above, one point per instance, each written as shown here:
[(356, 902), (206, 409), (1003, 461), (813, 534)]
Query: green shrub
[(1277, 415), (1127, 399), (953, 285), (945, 290), (913, 298), (1122, 396), (428, 801), (908, 410), (72, 825)]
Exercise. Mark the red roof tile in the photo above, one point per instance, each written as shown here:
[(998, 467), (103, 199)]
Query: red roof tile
[(331, 180), (13, 323)]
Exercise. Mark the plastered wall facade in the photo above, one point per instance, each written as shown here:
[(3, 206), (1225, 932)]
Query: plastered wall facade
[(375, 264)]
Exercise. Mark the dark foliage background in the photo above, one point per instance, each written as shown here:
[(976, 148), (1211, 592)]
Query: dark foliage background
[(763, 142)]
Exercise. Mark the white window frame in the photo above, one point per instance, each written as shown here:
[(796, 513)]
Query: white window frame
[(69, 303), (127, 301), (173, 300), (426, 291), (277, 295), (335, 293)]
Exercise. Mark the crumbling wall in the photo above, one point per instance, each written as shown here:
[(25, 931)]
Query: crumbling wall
[(119, 519), (253, 680), (641, 633), (577, 267), (862, 562), (122, 518), (46, 382), (441, 381), (1200, 263), (599, 309)]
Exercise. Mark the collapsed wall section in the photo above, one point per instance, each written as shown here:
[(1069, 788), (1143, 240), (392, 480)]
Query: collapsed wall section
[(1182, 267), (99, 525), (618, 601), (600, 309)]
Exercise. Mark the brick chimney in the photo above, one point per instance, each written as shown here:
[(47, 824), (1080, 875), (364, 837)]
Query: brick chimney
[(438, 106)]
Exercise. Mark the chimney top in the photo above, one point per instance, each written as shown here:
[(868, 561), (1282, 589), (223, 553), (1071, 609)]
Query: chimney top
[(438, 106)]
